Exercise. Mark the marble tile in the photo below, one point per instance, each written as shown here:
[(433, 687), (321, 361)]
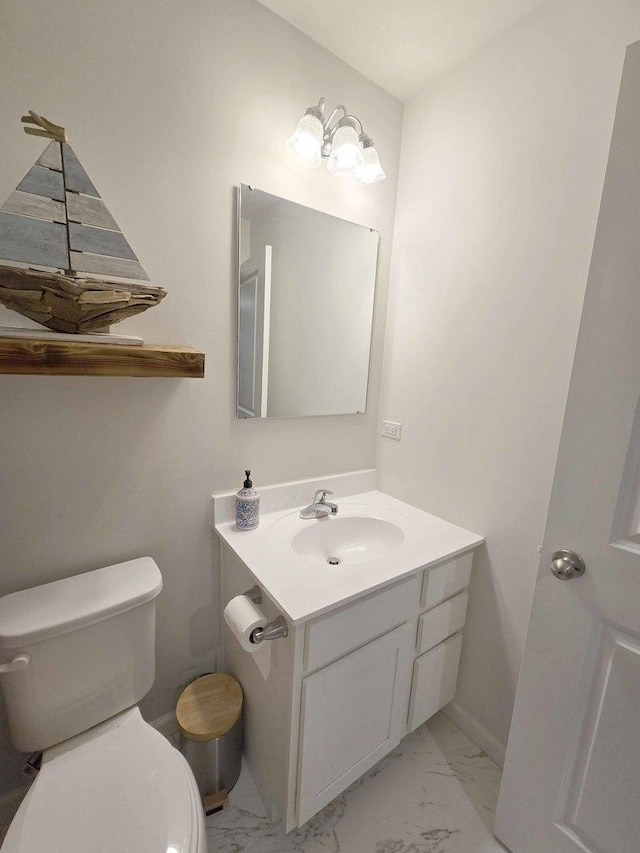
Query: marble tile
[(245, 796), (236, 831), (476, 838), (242, 822), (318, 835), (478, 775), (413, 801)]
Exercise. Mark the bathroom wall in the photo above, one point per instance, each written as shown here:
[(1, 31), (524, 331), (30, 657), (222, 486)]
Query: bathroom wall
[(502, 170), (169, 107)]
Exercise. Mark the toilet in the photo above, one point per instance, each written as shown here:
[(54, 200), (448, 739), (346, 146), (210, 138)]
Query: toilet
[(76, 656)]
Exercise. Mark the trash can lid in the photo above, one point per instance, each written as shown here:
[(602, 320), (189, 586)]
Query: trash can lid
[(209, 707)]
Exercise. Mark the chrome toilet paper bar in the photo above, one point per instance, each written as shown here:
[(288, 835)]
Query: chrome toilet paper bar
[(255, 594), (271, 631), (275, 630)]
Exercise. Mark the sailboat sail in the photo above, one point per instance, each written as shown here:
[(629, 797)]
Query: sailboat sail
[(56, 217)]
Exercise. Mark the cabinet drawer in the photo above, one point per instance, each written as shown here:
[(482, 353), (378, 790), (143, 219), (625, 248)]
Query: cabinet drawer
[(441, 622), (445, 580), (338, 633), (434, 680)]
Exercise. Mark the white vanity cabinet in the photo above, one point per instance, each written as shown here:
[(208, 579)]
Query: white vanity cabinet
[(325, 704)]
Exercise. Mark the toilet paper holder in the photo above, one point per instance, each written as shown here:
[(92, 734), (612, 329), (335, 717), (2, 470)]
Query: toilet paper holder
[(273, 630)]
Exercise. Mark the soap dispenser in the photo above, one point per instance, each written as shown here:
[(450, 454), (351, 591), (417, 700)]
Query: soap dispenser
[(247, 505)]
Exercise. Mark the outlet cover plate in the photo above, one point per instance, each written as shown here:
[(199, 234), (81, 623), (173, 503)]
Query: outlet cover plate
[(391, 429)]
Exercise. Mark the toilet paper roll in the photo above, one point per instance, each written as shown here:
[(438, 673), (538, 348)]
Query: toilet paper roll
[(243, 617)]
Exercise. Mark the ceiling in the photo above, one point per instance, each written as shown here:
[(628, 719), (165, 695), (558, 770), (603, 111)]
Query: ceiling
[(402, 45)]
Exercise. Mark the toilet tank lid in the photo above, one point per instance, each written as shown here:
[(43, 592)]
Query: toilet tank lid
[(36, 614)]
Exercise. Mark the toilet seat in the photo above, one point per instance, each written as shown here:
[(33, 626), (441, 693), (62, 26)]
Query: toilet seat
[(117, 788)]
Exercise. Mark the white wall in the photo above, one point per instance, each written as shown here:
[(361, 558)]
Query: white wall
[(169, 107), (502, 170)]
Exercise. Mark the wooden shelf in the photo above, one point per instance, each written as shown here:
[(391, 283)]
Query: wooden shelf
[(68, 358)]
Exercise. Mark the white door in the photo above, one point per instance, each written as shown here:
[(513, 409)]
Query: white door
[(254, 314), (572, 774), (354, 712)]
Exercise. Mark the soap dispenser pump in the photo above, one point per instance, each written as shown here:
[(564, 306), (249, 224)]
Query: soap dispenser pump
[(247, 505)]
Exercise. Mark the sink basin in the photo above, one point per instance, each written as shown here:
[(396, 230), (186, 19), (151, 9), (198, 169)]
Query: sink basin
[(347, 540)]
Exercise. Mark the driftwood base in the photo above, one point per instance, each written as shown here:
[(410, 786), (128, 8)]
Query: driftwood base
[(76, 305)]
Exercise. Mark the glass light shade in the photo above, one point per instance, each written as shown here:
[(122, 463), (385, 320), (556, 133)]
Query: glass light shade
[(371, 170), (304, 144), (346, 154)]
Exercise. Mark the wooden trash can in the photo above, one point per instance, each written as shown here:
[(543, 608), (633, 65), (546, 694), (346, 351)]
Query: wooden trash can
[(209, 714)]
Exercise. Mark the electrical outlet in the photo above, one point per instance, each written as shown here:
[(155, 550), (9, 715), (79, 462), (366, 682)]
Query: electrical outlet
[(391, 429)]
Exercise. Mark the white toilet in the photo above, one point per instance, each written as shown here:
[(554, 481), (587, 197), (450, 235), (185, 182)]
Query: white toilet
[(76, 656)]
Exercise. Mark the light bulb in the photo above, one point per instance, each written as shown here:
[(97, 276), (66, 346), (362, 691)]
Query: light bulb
[(371, 170), (346, 154), (304, 144)]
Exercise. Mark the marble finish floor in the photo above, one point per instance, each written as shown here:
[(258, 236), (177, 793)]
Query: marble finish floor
[(435, 793)]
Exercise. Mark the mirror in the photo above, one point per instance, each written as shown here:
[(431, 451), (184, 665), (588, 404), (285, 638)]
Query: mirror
[(306, 286)]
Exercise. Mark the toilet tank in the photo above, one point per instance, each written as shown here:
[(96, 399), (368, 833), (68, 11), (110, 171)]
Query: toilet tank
[(90, 641)]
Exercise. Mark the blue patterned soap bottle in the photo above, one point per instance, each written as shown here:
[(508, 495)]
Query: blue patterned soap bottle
[(247, 506)]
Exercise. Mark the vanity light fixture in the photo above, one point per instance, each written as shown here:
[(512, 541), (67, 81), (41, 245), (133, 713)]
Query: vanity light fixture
[(339, 139)]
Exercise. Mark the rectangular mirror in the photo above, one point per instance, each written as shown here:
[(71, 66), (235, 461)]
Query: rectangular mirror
[(306, 286)]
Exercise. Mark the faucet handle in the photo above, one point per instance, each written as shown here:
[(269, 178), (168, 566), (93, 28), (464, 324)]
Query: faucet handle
[(323, 493)]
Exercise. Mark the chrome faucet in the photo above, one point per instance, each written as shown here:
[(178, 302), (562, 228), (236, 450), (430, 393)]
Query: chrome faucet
[(320, 507)]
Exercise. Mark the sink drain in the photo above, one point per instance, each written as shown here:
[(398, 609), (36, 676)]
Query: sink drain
[(333, 561)]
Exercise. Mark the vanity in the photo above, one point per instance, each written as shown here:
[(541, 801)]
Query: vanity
[(374, 598)]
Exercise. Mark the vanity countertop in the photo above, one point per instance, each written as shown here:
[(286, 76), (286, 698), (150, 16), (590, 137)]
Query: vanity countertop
[(303, 589)]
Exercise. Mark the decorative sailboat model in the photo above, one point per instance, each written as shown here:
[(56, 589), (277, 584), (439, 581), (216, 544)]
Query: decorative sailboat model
[(55, 218)]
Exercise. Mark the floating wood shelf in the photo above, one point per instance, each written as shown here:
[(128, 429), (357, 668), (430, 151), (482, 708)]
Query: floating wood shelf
[(68, 358)]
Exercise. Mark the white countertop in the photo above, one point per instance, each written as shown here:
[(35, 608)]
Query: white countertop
[(303, 589)]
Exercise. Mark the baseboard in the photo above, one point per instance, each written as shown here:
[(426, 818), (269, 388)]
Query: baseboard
[(474, 730), (9, 802), (166, 725)]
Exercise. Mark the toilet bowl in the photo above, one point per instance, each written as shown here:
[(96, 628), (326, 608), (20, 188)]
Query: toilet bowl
[(119, 787), (109, 781)]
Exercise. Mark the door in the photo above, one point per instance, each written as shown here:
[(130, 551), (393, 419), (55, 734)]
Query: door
[(354, 712), (572, 774), (254, 312)]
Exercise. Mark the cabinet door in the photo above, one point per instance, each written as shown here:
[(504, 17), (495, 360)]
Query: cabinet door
[(434, 680), (353, 713)]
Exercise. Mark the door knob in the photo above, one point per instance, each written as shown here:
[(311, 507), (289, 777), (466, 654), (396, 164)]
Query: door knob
[(567, 565)]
